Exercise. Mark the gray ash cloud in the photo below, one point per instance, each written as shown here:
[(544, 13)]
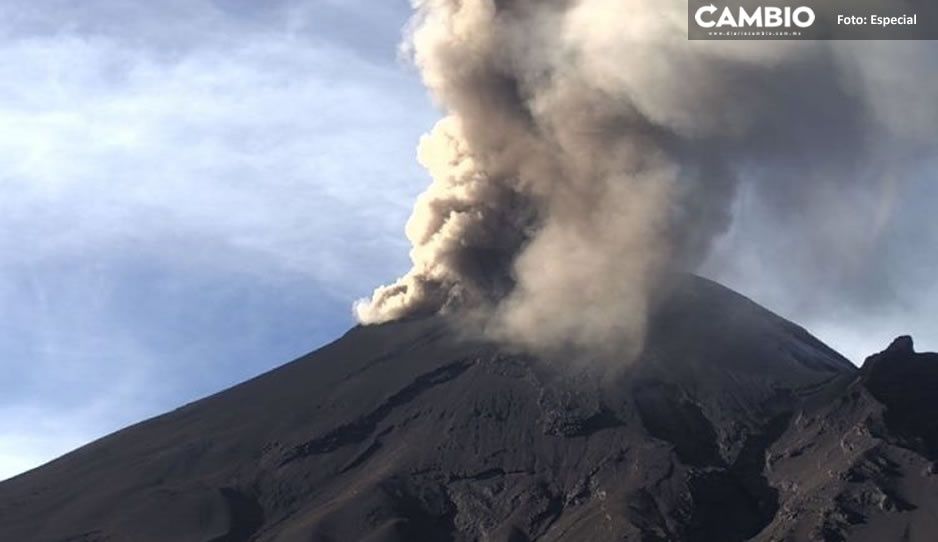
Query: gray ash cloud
[(589, 149)]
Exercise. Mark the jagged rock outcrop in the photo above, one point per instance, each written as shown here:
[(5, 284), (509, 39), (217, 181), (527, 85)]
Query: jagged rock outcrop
[(857, 461)]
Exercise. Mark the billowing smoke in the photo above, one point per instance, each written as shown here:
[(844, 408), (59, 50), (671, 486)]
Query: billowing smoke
[(589, 150)]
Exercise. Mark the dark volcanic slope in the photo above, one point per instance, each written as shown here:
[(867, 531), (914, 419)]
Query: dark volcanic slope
[(734, 424)]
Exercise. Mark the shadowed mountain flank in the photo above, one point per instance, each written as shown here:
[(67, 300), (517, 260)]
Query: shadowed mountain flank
[(733, 424)]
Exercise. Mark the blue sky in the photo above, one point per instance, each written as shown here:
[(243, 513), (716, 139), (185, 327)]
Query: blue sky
[(193, 192)]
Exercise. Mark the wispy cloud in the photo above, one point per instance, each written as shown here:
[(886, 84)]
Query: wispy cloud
[(187, 197), (192, 191)]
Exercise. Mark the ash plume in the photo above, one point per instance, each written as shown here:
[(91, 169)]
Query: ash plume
[(589, 149)]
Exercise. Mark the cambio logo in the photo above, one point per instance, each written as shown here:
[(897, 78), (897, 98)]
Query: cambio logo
[(760, 17)]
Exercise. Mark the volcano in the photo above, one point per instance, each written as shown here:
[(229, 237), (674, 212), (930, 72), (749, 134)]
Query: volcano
[(734, 424)]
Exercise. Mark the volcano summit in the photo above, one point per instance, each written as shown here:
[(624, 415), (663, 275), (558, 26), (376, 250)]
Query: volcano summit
[(733, 424)]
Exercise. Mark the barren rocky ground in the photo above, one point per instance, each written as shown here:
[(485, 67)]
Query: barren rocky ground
[(734, 424)]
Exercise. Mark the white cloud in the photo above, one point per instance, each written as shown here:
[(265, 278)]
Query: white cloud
[(184, 183), (180, 189)]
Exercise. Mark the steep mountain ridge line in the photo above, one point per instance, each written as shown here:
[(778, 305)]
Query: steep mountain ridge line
[(409, 431)]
